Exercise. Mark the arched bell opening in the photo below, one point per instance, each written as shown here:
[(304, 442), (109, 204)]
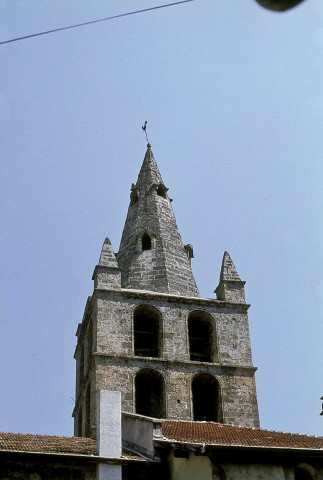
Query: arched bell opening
[(146, 327), (201, 337), (206, 396), (150, 393)]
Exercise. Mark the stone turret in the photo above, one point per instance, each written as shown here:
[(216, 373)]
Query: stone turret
[(152, 255), (107, 274), (231, 287)]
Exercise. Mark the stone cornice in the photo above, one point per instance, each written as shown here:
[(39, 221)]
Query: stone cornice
[(149, 295), (226, 369)]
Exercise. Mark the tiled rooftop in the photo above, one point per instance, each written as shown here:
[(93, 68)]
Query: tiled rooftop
[(227, 435), (27, 442)]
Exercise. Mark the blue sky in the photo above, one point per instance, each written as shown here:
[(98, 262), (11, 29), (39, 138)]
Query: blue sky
[(233, 95)]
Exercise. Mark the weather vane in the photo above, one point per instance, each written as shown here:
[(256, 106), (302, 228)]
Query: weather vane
[(144, 127)]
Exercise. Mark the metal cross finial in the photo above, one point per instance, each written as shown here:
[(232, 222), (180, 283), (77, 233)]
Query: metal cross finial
[(144, 127)]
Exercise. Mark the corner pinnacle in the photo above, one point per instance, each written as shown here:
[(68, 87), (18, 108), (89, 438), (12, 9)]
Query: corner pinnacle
[(228, 270)]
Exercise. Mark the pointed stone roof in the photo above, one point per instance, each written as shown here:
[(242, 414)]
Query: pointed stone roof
[(228, 270), (107, 256), (151, 254), (231, 287), (149, 173)]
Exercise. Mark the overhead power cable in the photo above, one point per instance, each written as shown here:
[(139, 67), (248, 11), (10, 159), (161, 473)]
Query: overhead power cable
[(94, 21)]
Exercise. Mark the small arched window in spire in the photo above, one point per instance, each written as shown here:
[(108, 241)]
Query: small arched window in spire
[(146, 241), (161, 190)]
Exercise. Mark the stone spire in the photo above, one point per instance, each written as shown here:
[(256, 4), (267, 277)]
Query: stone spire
[(228, 270), (149, 173), (107, 273), (107, 256), (152, 255), (231, 287)]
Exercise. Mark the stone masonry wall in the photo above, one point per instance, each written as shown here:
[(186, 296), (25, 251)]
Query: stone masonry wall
[(239, 403), (116, 365), (115, 326)]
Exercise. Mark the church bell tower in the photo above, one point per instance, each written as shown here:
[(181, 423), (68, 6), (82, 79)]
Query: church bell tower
[(147, 333)]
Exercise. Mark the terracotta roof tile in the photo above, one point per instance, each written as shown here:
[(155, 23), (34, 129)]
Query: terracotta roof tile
[(27, 442), (222, 434)]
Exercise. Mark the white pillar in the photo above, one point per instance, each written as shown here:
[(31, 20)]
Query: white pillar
[(109, 434)]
